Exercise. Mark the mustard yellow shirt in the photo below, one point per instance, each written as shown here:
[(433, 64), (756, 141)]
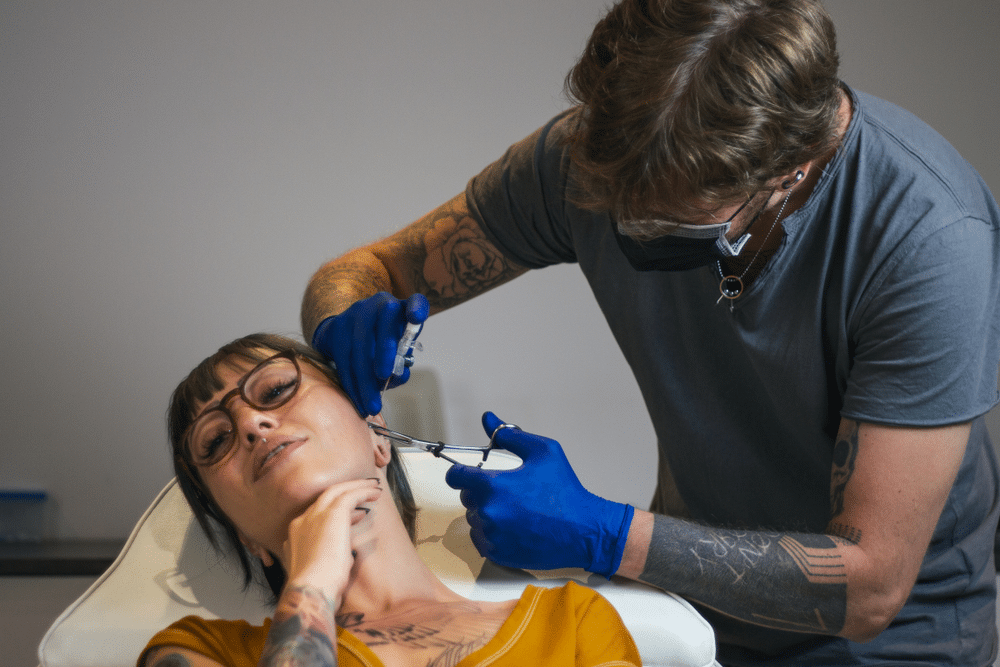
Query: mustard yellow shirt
[(572, 625)]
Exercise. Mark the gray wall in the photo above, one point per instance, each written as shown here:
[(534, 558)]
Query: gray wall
[(171, 173)]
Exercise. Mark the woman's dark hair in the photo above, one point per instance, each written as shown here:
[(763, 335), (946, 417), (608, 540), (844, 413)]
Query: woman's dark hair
[(687, 102), (197, 389)]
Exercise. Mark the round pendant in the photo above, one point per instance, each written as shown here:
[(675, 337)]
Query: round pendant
[(731, 287)]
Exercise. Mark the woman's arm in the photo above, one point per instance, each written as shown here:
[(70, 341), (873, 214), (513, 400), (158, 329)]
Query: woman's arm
[(445, 256), (303, 631), (317, 557), (888, 487)]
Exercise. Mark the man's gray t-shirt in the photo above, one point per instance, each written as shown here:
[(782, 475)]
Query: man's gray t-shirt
[(881, 305)]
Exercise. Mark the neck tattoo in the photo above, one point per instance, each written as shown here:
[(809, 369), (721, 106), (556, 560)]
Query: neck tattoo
[(731, 286)]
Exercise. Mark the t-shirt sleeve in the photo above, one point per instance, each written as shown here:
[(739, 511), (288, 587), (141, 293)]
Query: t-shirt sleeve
[(927, 336), (602, 638), (233, 643), (520, 201)]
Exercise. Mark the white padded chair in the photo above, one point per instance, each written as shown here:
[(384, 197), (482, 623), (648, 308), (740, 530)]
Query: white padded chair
[(168, 570)]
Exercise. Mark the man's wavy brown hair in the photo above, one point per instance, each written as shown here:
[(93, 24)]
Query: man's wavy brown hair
[(700, 102)]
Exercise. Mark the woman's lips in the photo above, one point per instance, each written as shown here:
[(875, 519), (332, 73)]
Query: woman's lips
[(274, 455)]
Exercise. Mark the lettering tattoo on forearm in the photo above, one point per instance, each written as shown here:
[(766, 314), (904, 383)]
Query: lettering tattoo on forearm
[(303, 632), (789, 581), (845, 453)]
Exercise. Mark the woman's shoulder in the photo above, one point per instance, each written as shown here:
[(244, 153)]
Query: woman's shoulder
[(218, 639), (570, 598), (571, 590)]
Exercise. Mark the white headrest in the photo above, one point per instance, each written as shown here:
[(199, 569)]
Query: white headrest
[(168, 570)]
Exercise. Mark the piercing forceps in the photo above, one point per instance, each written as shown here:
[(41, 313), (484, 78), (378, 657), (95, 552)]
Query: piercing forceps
[(436, 447)]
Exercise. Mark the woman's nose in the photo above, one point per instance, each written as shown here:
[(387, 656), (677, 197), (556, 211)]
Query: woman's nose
[(252, 424)]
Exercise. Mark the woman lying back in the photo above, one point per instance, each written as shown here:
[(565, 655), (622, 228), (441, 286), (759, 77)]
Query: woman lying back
[(281, 470)]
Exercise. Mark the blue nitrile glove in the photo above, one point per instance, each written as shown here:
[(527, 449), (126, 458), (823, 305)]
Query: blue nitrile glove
[(538, 516), (361, 343)]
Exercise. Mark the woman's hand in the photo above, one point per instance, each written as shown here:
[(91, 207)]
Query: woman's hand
[(319, 548), (318, 558)]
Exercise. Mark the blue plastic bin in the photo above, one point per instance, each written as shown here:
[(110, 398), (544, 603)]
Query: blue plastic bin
[(22, 515)]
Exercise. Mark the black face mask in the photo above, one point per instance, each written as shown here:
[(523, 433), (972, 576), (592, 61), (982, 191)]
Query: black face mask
[(684, 247)]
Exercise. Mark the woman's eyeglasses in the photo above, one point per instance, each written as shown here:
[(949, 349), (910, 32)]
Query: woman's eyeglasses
[(268, 386)]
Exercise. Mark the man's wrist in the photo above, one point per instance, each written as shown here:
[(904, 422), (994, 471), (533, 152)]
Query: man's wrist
[(633, 560)]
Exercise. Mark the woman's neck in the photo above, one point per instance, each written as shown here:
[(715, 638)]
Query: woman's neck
[(388, 575)]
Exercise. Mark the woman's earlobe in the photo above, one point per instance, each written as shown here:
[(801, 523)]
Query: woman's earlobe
[(383, 452), (383, 448), (255, 549)]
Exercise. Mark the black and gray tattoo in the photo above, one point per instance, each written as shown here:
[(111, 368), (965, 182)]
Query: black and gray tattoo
[(435, 635), (303, 632), (845, 453), (172, 660), (451, 258), (788, 581)]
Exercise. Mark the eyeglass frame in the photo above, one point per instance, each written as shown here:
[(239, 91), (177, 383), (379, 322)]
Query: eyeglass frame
[(291, 355)]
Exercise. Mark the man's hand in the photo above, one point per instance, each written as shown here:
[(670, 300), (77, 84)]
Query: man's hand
[(539, 516), (361, 343)]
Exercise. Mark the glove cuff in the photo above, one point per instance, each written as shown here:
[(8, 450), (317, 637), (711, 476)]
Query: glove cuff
[(615, 545), (320, 333)]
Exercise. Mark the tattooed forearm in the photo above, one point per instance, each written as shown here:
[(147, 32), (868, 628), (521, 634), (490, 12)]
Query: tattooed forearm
[(340, 283), (845, 453), (445, 256), (788, 581), (303, 632)]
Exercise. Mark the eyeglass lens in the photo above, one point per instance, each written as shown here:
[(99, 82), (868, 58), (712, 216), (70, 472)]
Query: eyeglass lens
[(267, 387)]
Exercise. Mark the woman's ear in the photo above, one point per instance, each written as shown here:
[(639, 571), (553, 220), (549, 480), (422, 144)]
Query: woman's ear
[(381, 444), (255, 549)]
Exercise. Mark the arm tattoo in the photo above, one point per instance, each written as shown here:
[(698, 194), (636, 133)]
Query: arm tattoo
[(303, 632), (172, 660), (788, 581), (335, 287), (452, 260), (847, 533), (445, 255), (845, 452)]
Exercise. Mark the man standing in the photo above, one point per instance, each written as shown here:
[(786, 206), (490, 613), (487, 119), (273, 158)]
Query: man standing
[(804, 280)]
